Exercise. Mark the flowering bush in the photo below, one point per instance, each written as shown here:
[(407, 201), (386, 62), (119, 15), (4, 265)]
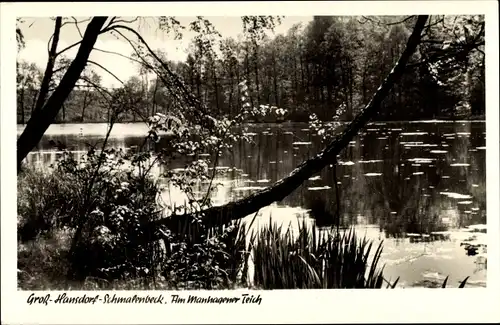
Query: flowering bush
[(326, 129)]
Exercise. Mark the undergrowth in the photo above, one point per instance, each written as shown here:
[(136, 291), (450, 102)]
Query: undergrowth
[(109, 253)]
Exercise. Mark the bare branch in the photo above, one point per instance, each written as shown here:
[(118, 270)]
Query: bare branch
[(378, 23), (75, 21), (49, 43), (143, 62), (77, 43), (60, 69), (114, 20), (401, 21), (125, 21), (432, 24), (118, 54), (109, 24), (97, 87), (78, 28), (368, 19), (111, 73), (192, 100), (68, 48)]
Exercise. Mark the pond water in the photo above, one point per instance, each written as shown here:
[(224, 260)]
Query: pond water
[(418, 186)]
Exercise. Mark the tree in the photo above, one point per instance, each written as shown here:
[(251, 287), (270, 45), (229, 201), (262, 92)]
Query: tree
[(28, 80), (323, 69), (45, 113), (251, 204), (19, 35)]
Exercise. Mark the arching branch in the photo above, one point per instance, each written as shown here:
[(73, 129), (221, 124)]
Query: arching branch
[(194, 103), (122, 21), (111, 73), (103, 91), (79, 42), (68, 48), (118, 54), (191, 99)]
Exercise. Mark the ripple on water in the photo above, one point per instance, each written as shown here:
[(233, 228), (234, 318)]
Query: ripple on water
[(456, 195), (370, 161), (248, 188), (433, 275), (319, 188), (345, 163), (413, 133), (424, 145), (422, 160), (373, 174)]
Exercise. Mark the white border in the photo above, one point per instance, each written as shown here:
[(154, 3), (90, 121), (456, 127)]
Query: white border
[(411, 305)]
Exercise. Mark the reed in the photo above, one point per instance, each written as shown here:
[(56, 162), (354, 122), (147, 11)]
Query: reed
[(314, 259)]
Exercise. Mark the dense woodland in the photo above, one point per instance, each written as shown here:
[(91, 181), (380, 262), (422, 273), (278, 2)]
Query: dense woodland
[(331, 64)]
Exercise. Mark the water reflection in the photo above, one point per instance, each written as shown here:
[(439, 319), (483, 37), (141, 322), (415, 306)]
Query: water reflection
[(412, 183)]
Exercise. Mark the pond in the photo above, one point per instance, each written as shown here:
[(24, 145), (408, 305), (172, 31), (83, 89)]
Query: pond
[(418, 186)]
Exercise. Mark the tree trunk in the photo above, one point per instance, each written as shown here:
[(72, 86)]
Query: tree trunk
[(20, 102), (248, 76), (238, 92), (279, 190), (275, 82), (364, 84), (33, 102), (296, 82), (49, 69), (84, 105), (231, 110), (216, 86), (153, 109), (42, 118), (63, 112), (256, 66)]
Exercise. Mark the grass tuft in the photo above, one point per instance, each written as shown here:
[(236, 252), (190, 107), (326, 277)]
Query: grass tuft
[(314, 259)]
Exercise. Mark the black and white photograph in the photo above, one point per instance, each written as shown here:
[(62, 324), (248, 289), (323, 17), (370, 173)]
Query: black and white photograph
[(251, 153)]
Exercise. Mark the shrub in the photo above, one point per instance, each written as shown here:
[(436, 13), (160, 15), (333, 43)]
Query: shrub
[(45, 200), (109, 205), (206, 257)]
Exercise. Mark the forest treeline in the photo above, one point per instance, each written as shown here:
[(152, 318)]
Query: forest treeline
[(331, 64)]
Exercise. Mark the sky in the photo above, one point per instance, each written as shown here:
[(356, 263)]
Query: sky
[(37, 32)]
